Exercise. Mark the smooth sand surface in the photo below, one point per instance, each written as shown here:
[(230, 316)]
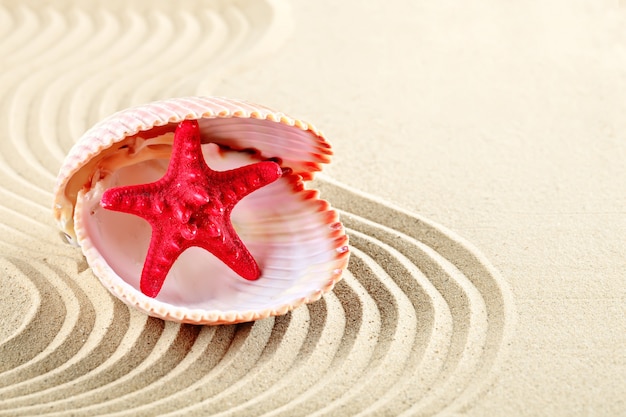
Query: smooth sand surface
[(479, 169)]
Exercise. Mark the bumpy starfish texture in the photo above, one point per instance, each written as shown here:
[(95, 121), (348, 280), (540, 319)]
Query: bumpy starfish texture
[(190, 206)]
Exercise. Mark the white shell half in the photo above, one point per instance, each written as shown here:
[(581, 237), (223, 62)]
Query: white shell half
[(294, 236)]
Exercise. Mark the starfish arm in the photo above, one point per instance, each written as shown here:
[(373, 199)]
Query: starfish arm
[(233, 252), (239, 182), (163, 251), (134, 199), (186, 149)]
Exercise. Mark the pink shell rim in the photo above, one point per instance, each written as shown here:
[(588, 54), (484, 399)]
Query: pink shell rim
[(144, 117)]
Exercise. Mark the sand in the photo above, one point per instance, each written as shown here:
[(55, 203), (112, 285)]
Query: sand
[(479, 169)]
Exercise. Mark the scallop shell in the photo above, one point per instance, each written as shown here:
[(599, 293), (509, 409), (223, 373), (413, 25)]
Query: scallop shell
[(295, 237)]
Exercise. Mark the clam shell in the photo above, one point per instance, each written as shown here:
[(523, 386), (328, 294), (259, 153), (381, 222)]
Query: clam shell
[(295, 237)]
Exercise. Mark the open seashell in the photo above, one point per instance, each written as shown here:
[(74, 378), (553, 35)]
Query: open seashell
[(293, 236)]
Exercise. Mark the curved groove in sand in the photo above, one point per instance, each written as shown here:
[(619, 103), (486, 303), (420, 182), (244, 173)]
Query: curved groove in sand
[(418, 325), (18, 303)]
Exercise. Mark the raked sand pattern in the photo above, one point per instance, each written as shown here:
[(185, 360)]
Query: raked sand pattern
[(418, 326)]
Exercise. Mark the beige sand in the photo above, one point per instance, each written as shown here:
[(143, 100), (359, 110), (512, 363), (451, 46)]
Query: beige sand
[(504, 123)]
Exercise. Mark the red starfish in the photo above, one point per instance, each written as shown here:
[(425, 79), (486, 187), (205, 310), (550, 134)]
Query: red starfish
[(190, 206)]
